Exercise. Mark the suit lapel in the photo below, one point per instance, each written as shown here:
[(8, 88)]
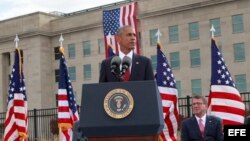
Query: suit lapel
[(134, 66)]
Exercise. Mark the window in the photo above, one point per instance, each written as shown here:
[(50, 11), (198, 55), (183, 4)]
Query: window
[(87, 71), (154, 61), (196, 86), (71, 51), (86, 48), (178, 85), (72, 73), (195, 57), (100, 46), (57, 53), (237, 21), (153, 38), (194, 31), (175, 60), (240, 82), (57, 75), (239, 52), (173, 34), (216, 23)]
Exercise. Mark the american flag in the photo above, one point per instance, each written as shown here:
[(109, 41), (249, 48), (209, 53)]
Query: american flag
[(67, 108), (224, 99), (16, 123), (169, 94), (115, 18)]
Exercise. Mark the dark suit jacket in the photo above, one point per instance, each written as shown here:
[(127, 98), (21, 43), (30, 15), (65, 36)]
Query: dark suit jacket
[(141, 70), (213, 130)]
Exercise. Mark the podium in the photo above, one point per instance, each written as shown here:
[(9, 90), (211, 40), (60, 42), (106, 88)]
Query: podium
[(121, 111)]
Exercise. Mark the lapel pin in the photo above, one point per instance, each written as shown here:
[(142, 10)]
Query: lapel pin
[(137, 63)]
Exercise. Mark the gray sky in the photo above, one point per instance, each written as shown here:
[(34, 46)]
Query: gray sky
[(14, 8)]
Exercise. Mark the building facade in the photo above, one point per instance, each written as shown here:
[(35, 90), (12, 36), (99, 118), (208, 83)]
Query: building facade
[(186, 40)]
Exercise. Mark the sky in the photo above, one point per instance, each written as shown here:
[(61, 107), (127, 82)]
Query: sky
[(14, 8)]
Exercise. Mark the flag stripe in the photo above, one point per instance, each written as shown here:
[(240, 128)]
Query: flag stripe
[(233, 110)]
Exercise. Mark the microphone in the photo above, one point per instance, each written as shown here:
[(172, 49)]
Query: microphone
[(115, 65), (126, 62)]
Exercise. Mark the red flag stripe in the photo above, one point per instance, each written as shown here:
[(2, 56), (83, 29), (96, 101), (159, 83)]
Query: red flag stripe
[(226, 96), (232, 110)]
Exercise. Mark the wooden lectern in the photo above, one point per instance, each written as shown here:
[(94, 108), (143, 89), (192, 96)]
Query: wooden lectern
[(121, 111)]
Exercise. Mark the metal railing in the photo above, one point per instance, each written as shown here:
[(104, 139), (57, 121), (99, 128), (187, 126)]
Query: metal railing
[(42, 123)]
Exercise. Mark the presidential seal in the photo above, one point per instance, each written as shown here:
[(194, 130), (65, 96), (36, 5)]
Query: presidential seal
[(118, 103)]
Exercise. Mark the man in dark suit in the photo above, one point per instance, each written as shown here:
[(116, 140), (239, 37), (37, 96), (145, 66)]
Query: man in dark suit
[(201, 127), (140, 68)]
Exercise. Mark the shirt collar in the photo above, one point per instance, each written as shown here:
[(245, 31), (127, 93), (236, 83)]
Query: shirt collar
[(130, 55), (203, 118)]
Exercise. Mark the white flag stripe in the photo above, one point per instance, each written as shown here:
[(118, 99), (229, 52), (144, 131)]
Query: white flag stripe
[(126, 15), (20, 122), (13, 136), (228, 116), (167, 103), (167, 91), (18, 96), (19, 109), (227, 102), (121, 20), (63, 103), (224, 88), (131, 16), (12, 121), (64, 115), (62, 92)]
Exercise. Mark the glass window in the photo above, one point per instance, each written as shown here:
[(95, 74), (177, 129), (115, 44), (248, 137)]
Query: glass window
[(195, 57), (216, 23), (57, 75), (87, 71), (194, 31), (57, 53), (196, 87), (237, 21), (178, 85), (241, 83), (86, 48), (153, 38), (71, 51), (100, 46), (154, 61), (72, 73), (173, 34), (175, 60), (239, 52)]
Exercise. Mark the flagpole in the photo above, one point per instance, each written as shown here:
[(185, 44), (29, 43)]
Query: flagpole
[(158, 35), (212, 30), (16, 40), (61, 49)]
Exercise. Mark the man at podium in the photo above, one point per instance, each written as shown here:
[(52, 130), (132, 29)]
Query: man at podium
[(126, 66)]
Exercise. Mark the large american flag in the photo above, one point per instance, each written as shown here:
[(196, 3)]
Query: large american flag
[(67, 108), (169, 94), (16, 123), (224, 99), (115, 18)]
